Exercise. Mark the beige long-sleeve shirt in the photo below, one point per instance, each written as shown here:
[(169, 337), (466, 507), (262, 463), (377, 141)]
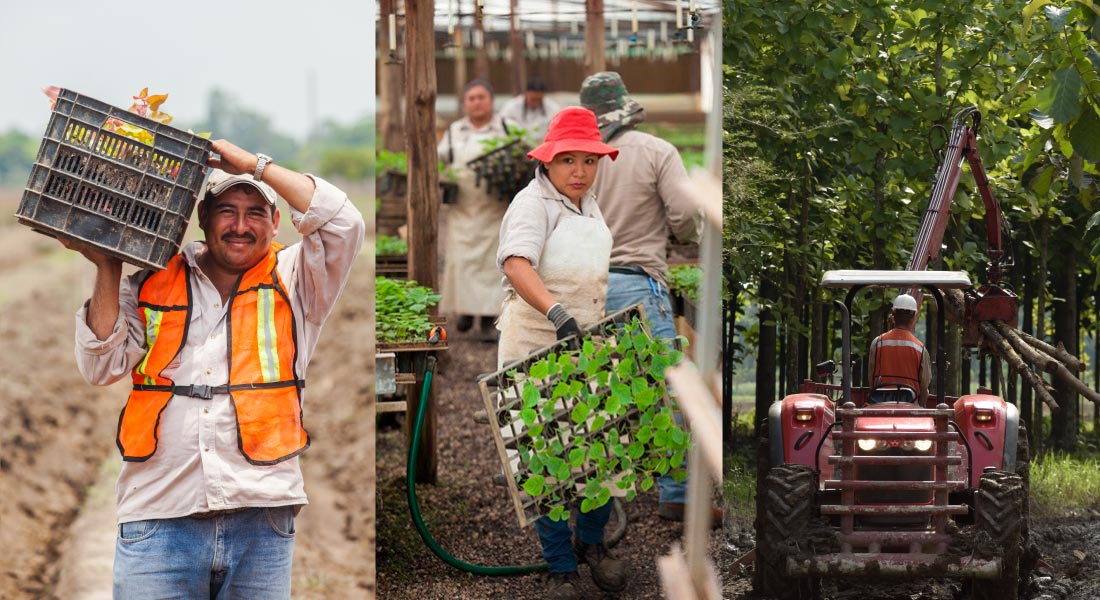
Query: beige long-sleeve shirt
[(197, 466), (644, 194)]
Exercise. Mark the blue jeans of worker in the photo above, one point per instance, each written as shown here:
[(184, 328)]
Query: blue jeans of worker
[(245, 555), (625, 290), (556, 537)]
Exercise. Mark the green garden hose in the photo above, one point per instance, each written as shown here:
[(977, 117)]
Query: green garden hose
[(414, 506)]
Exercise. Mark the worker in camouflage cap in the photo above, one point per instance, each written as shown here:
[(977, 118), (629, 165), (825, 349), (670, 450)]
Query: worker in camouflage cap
[(604, 93), (645, 196)]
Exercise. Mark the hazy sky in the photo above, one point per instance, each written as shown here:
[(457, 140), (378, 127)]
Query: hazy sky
[(261, 53)]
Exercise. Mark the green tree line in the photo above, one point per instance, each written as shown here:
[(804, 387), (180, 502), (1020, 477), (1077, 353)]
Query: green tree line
[(828, 112), (334, 150)]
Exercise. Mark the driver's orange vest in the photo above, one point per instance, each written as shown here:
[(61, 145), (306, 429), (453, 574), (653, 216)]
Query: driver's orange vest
[(898, 354), (262, 351)]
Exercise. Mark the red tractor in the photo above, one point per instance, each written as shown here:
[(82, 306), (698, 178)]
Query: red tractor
[(858, 481)]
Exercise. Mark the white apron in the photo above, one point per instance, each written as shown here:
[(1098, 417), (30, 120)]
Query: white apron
[(573, 267), (471, 280)]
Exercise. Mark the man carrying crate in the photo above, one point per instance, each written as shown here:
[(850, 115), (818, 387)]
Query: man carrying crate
[(217, 344)]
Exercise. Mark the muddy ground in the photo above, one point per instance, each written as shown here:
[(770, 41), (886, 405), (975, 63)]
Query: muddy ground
[(475, 520), (1069, 568), (58, 433)]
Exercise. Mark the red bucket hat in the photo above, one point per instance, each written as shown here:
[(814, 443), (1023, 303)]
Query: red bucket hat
[(573, 129)]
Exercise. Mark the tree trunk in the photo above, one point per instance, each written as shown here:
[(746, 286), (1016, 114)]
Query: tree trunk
[(820, 329), (1041, 318), (389, 107), (1026, 409), (784, 339), (765, 352), (515, 40), (1063, 424), (595, 58)]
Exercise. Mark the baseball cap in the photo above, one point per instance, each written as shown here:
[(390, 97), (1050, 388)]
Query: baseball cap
[(220, 181)]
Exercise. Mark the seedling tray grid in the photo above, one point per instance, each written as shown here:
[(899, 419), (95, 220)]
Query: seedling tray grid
[(503, 396)]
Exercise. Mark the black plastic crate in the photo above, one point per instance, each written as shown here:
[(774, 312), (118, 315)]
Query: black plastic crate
[(129, 199)]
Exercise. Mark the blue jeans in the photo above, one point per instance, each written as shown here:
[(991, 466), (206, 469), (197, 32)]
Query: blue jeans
[(627, 290), (556, 537), (240, 555)]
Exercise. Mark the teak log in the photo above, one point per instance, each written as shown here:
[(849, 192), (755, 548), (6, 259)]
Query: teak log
[(1017, 363)]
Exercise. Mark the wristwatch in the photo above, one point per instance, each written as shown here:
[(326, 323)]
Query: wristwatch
[(261, 164)]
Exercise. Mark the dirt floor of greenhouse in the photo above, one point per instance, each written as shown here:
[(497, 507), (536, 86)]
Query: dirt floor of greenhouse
[(475, 520)]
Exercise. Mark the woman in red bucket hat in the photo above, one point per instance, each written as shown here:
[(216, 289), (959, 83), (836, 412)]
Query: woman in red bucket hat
[(554, 252)]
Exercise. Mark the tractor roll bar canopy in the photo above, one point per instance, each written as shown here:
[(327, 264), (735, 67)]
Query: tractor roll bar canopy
[(944, 280)]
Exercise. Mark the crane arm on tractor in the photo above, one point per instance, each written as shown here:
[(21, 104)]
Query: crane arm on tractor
[(990, 301)]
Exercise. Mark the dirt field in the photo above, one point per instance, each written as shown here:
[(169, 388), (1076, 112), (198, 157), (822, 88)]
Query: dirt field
[(473, 519), (58, 433)]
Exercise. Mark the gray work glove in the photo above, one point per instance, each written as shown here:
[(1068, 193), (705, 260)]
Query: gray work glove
[(565, 325)]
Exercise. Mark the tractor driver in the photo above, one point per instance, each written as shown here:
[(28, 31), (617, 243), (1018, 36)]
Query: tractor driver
[(897, 356)]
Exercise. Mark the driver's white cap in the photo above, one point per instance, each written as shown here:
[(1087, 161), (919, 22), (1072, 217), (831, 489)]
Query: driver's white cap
[(905, 302)]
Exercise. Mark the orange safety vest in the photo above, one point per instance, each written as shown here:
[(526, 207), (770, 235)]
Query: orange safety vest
[(262, 351), (898, 356)]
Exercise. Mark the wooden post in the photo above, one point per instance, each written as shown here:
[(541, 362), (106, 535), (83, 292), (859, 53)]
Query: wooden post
[(389, 109), (595, 59), (481, 58), (519, 62), (460, 69), (423, 177)]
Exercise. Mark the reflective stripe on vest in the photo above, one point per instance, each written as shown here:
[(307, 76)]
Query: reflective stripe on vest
[(262, 351), (898, 356)]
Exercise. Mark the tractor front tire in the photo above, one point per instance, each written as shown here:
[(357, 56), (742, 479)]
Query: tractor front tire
[(999, 512), (785, 506)]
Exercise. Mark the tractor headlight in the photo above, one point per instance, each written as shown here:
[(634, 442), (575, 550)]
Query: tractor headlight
[(867, 445), (983, 415), (803, 415), (922, 445)]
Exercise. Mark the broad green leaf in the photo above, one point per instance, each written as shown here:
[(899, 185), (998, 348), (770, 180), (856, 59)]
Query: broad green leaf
[(596, 451), (534, 485), (1061, 97), (1085, 135), (528, 415), (530, 394), (678, 436), (580, 413), (1094, 220), (662, 421), (1057, 15), (646, 484), (587, 505), (540, 369), (562, 474), (576, 457), (613, 405)]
